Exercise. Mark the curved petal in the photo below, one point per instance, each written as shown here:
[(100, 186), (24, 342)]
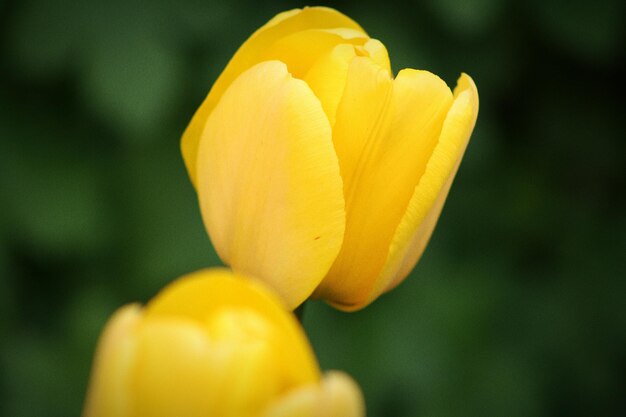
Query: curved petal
[(268, 182), (174, 358), (421, 216), (328, 74), (384, 134), (327, 77), (341, 396), (212, 342), (109, 392), (302, 49), (336, 396), (253, 51), (204, 294), (376, 50)]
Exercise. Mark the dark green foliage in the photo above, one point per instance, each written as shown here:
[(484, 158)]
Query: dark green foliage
[(517, 307)]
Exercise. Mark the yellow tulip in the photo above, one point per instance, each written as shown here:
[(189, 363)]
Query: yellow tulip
[(213, 345), (316, 170)]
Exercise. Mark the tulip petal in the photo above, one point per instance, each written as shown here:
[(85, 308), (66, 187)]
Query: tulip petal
[(384, 134), (421, 216), (337, 396), (268, 182), (341, 396), (205, 293), (378, 53), (253, 51), (300, 402), (181, 369), (328, 74), (327, 77), (302, 49), (174, 358), (212, 342), (109, 391)]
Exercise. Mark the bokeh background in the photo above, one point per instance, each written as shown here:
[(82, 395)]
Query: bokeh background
[(518, 305)]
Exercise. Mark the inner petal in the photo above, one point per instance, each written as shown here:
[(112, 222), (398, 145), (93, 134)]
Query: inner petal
[(301, 49), (328, 74), (384, 134)]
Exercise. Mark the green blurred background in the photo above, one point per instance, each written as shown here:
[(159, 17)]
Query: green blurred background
[(518, 305)]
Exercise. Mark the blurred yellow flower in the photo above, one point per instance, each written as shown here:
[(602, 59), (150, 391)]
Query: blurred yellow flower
[(316, 170), (213, 345)]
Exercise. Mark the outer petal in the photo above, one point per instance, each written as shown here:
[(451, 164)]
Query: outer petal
[(253, 51), (384, 134), (421, 216), (268, 182), (337, 396), (109, 391)]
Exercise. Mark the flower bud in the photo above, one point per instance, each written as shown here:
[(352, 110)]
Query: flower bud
[(214, 345), (316, 170)]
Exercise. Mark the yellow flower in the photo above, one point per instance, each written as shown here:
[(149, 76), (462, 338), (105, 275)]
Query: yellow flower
[(316, 170), (213, 345)]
